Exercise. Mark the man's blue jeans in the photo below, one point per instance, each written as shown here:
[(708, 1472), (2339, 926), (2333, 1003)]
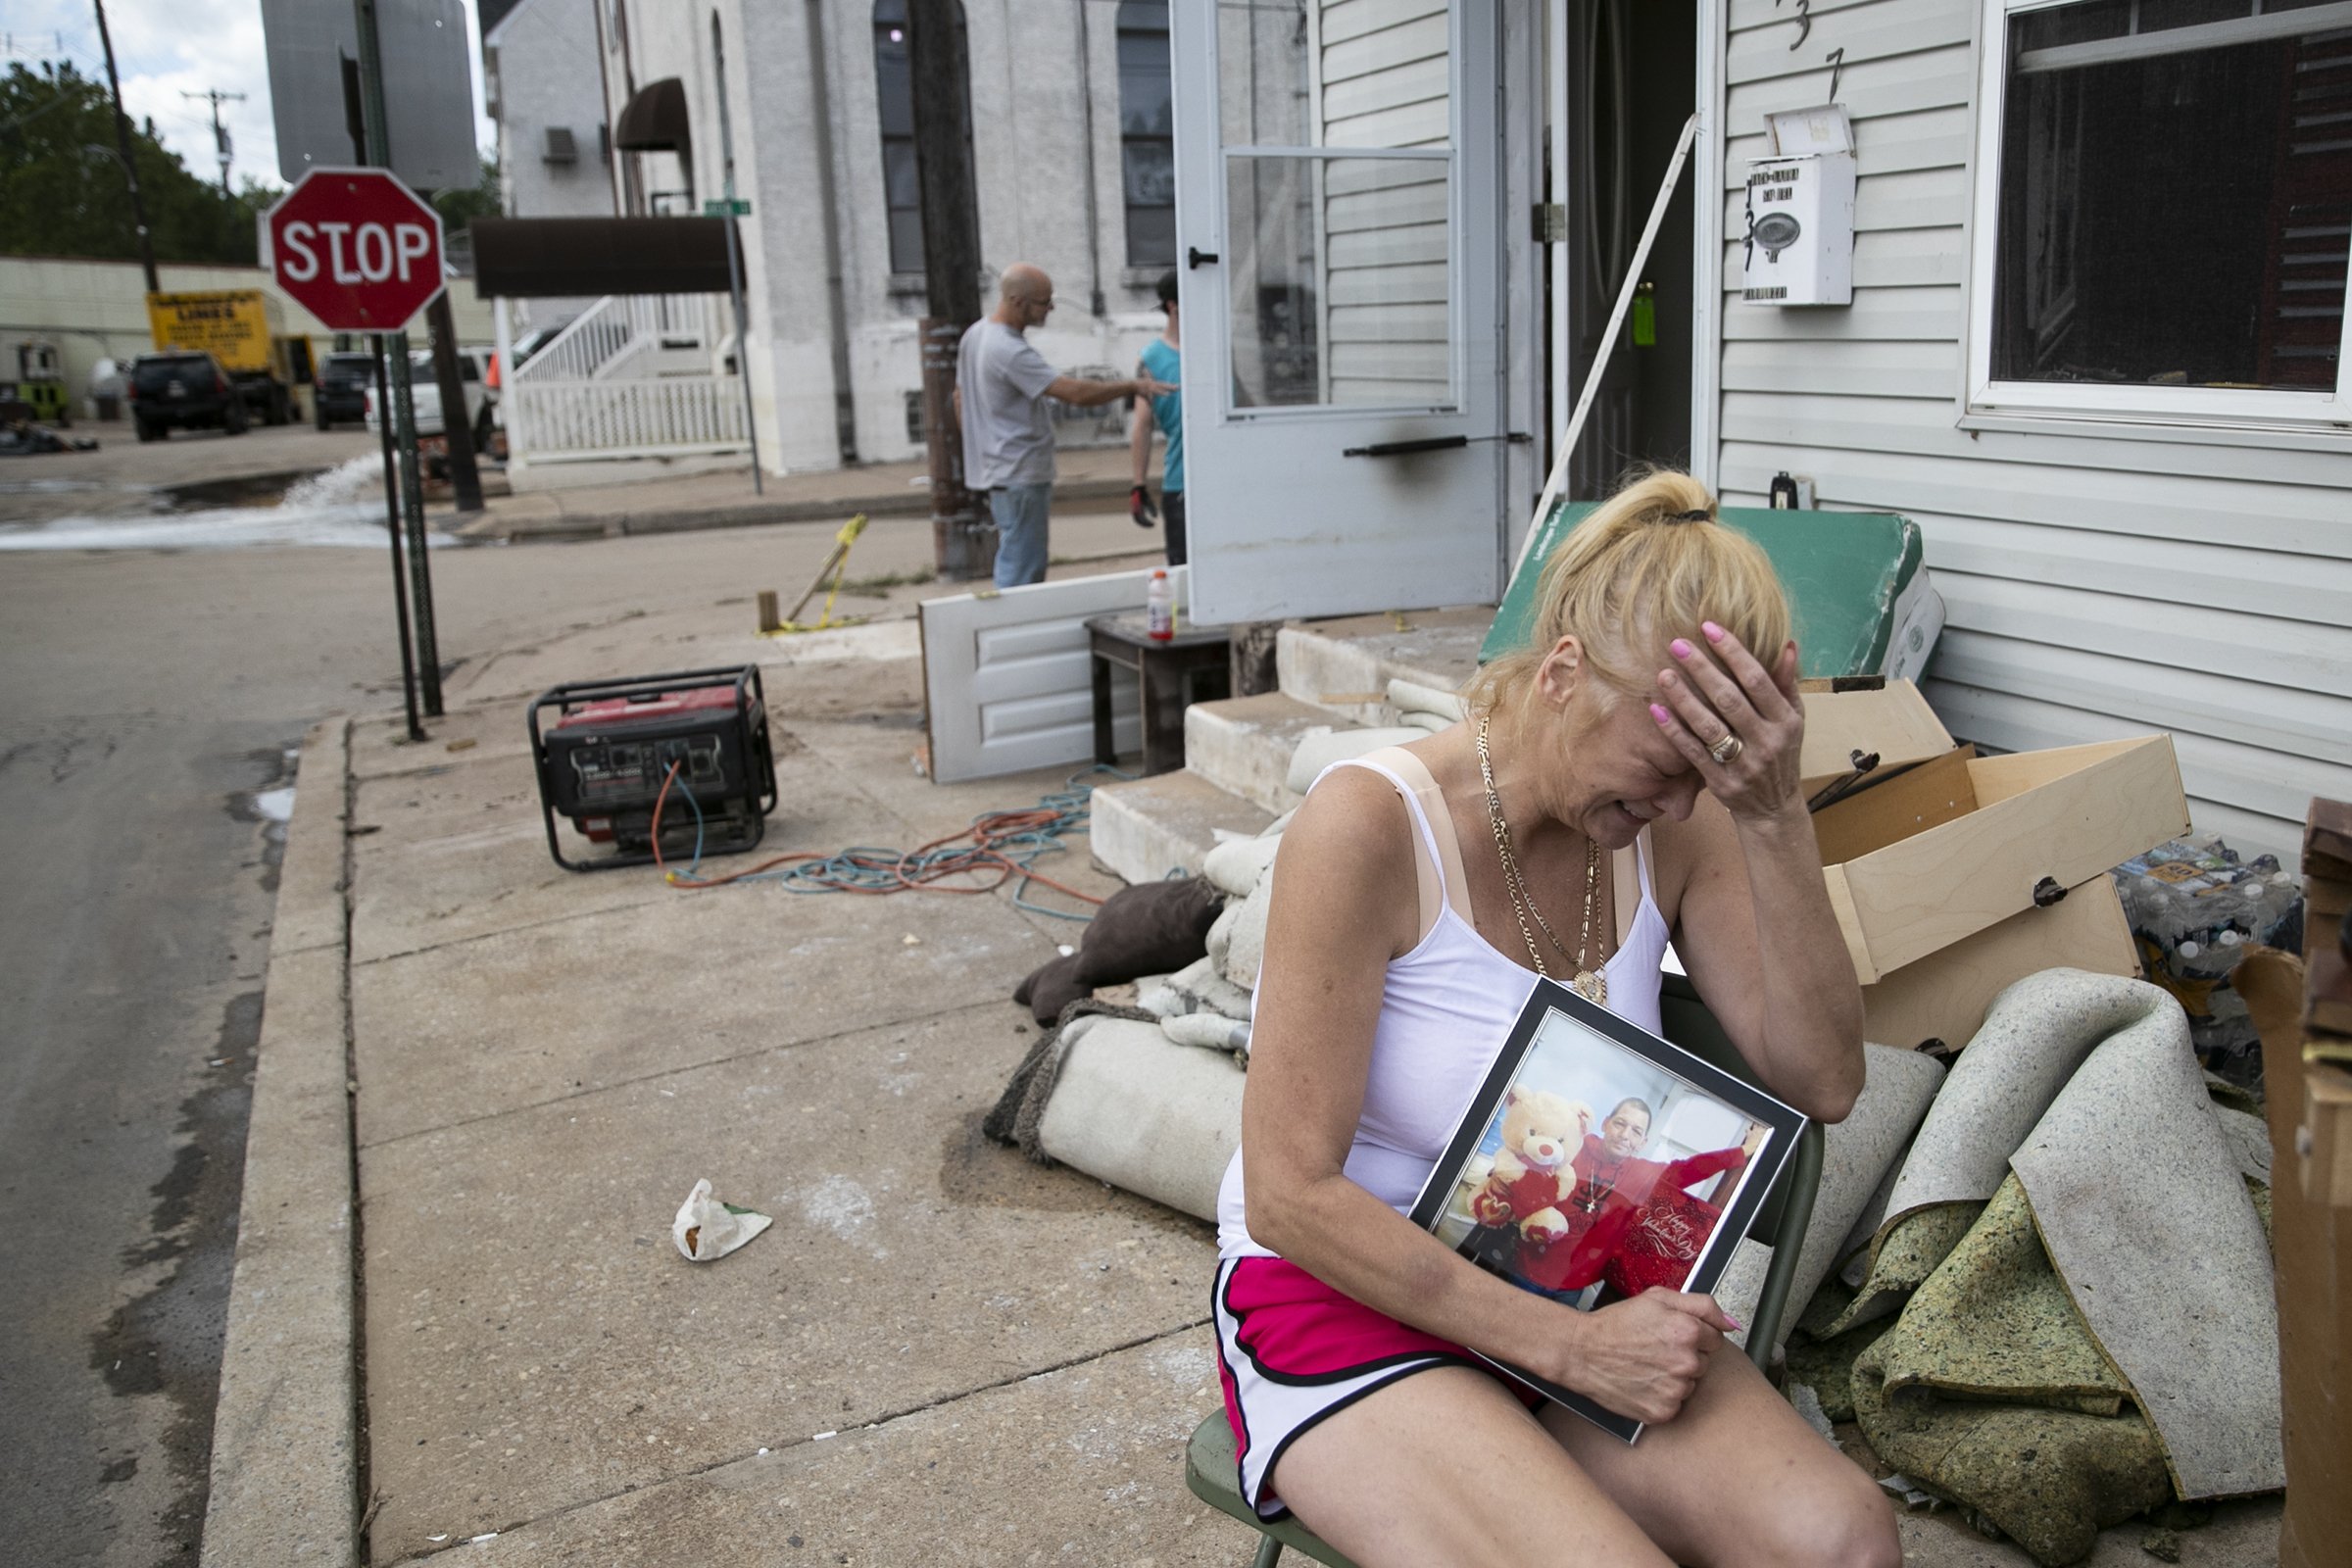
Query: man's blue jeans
[(1020, 514)]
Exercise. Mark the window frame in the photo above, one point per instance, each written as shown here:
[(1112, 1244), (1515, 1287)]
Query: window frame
[(1122, 29), (1986, 399)]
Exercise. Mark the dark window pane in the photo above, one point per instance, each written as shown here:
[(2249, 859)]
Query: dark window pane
[(1150, 173), (894, 80), (906, 242), (1151, 236), (902, 185), (2175, 221)]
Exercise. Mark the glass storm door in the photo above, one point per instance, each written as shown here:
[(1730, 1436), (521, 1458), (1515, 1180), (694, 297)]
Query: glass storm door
[(1338, 248)]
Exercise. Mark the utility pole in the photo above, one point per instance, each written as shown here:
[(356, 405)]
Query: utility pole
[(130, 171), (964, 540), (220, 131)]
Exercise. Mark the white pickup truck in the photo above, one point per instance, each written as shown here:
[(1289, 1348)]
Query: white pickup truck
[(424, 391)]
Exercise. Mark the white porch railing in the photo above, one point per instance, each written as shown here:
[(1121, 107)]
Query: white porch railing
[(619, 328), (555, 421)]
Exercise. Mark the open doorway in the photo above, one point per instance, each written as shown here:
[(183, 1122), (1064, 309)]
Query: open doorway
[(1632, 72)]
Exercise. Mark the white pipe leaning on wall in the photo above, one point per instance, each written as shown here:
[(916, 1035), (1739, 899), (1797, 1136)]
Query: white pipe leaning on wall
[(1608, 341)]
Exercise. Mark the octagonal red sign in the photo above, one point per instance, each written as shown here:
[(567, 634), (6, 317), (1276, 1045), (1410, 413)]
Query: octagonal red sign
[(356, 248)]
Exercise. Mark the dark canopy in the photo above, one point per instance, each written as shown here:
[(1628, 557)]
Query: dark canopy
[(655, 120), (519, 258)]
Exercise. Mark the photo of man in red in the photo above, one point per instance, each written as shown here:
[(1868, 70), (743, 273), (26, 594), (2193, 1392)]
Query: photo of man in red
[(1612, 1191)]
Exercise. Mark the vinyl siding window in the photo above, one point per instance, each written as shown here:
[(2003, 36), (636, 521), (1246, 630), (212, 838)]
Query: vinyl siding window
[(2164, 211)]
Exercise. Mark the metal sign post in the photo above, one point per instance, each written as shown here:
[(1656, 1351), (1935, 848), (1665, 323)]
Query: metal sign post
[(400, 583), (732, 209)]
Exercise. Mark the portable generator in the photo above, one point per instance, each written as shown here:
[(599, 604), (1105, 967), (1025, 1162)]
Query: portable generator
[(614, 745)]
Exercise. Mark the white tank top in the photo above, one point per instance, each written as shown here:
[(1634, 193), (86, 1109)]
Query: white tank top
[(1445, 1008)]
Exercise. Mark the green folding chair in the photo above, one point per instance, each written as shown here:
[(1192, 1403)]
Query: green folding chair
[(1209, 1467)]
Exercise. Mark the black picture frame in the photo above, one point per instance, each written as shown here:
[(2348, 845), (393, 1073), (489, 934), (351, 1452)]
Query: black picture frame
[(1562, 1036)]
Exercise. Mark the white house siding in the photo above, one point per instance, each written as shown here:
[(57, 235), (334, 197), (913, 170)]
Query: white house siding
[(1382, 74), (2097, 585)]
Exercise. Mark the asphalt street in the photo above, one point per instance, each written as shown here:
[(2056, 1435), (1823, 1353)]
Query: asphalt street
[(152, 697)]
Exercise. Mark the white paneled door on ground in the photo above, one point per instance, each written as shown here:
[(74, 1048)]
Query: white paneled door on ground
[(1337, 170)]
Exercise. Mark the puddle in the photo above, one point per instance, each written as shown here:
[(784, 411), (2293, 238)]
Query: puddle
[(339, 508)]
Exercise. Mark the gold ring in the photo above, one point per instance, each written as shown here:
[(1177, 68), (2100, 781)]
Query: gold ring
[(1726, 749)]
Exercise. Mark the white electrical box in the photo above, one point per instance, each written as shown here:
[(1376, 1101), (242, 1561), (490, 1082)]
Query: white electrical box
[(1799, 241)]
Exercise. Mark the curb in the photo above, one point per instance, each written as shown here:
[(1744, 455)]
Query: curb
[(571, 527), (285, 1442)]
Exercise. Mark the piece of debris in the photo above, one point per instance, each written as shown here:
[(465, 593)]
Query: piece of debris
[(1808, 1405), (911, 940), (708, 1229), (2162, 1545), (1911, 1493), (464, 744)]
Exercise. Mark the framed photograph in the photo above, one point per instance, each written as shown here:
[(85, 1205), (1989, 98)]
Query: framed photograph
[(1598, 1162)]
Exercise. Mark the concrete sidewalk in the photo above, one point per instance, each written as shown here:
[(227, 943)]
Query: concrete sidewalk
[(939, 1353), (1092, 477)]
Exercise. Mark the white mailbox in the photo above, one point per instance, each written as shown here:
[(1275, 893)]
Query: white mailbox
[(1799, 243)]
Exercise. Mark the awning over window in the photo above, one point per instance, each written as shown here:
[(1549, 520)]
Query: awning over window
[(521, 258), (655, 120)]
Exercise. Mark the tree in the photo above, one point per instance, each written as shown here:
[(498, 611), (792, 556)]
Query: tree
[(461, 205), (62, 187)]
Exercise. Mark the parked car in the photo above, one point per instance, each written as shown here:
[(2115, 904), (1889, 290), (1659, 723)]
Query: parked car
[(425, 390), (341, 387), (186, 388)]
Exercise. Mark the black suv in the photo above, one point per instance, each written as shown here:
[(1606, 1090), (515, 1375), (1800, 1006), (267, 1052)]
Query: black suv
[(182, 388), (342, 386)]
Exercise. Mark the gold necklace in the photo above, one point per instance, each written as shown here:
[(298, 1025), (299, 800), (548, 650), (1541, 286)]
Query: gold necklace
[(1590, 983)]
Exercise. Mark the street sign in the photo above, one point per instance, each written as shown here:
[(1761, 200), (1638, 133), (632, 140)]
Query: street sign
[(356, 248), (718, 207), (312, 51)]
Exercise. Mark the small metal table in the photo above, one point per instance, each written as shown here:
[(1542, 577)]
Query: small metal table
[(1193, 666)]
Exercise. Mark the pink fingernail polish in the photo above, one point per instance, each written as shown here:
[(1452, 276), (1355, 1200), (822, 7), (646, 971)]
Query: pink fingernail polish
[(1736, 1325), (1658, 712), (1678, 647), (1714, 632)]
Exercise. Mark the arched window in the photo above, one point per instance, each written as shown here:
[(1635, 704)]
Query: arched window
[(1147, 132), (902, 185)]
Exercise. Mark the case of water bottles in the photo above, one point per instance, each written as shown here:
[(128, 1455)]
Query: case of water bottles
[(2196, 908)]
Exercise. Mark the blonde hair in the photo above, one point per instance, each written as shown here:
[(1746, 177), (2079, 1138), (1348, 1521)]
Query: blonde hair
[(1650, 563)]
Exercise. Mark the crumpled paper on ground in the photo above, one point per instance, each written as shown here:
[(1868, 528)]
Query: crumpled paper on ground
[(707, 1229)]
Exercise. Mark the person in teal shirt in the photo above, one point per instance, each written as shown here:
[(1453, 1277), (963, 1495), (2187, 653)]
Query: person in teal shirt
[(1162, 361)]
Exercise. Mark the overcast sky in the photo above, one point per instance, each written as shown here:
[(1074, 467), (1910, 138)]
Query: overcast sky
[(163, 48)]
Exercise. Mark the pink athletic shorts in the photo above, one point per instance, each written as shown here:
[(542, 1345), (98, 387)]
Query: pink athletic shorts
[(1292, 1350)]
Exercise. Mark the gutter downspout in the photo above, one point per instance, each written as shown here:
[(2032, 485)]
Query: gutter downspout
[(604, 88), (845, 404), (1086, 139)]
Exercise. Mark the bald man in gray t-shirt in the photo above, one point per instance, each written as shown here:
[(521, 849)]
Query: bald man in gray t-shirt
[(1000, 387)]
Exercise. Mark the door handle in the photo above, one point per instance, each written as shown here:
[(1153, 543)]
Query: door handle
[(1194, 257)]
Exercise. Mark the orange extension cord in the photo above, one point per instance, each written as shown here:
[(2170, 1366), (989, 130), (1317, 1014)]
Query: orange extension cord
[(917, 871)]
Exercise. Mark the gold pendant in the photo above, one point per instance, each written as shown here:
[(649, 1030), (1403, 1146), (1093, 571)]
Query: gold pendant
[(1593, 986)]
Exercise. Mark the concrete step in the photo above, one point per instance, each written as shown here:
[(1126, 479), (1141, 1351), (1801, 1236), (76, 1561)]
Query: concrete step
[(1343, 665), (1145, 828), (1244, 745)]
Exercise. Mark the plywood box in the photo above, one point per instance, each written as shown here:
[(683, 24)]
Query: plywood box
[(1944, 852), (1893, 723), (1946, 995)]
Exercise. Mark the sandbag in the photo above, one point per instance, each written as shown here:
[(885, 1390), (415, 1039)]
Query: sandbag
[(1322, 746), (1132, 1108), (1150, 928)]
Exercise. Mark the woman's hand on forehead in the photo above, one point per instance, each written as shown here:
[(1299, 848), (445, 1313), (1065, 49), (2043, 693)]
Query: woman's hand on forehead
[(1718, 690)]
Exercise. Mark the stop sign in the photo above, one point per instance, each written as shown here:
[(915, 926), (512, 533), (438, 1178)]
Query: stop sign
[(355, 247)]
